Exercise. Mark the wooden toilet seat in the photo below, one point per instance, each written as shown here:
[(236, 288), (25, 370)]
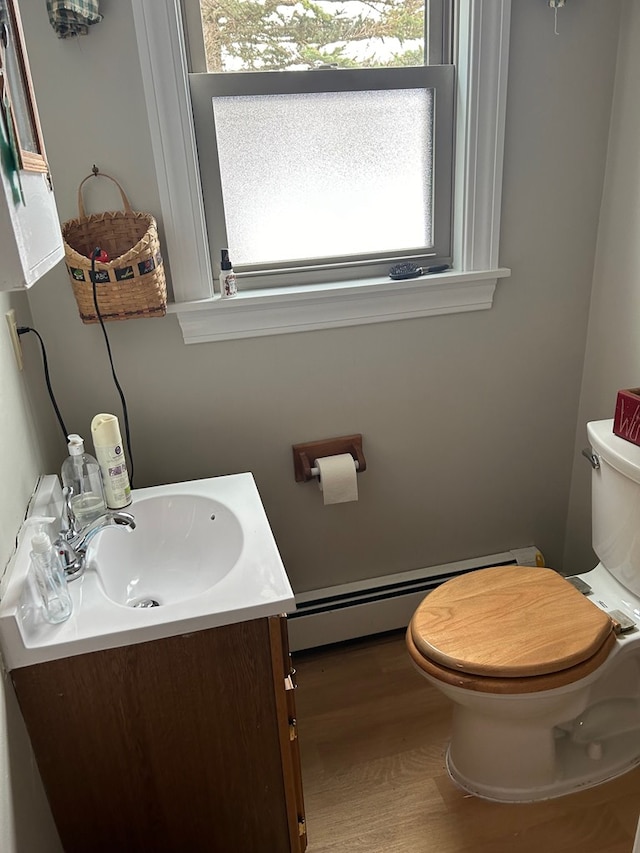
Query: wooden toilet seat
[(509, 629)]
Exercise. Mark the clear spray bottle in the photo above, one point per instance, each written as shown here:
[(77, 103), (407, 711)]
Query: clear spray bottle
[(50, 580)]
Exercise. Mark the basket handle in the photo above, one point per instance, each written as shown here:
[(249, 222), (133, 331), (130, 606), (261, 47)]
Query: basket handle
[(96, 174)]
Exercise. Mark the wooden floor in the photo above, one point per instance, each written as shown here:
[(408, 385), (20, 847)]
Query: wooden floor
[(373, 736)]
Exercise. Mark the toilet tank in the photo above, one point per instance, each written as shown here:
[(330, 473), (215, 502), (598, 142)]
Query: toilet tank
[(615, 503)]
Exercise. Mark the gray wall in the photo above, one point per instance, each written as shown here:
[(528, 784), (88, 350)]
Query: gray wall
[(468, 420), (26, 427), (612, 358)]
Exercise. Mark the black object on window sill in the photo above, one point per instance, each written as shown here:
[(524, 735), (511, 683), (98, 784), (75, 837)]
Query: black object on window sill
[(408, 270)]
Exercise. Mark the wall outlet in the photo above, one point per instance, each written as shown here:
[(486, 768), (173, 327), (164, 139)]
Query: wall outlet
[(15, 338)]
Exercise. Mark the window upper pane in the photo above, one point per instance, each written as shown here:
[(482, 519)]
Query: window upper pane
[(269, 35), (326, 174)]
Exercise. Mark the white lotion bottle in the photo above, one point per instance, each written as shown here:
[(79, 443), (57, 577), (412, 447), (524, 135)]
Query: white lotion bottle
[(107, 441), (81, 472)]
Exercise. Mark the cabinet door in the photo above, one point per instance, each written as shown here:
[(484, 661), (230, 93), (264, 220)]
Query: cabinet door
[(30, 239), (285, 685), (170, 746)]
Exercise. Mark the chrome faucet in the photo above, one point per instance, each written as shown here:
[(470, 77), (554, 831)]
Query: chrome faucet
[(73, 541)]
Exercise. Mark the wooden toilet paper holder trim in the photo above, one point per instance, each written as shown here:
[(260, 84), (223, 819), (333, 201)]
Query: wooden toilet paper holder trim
[(304, 455)]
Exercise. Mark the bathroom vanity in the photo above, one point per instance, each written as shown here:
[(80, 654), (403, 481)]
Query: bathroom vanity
[(168, 728), (186, 743)]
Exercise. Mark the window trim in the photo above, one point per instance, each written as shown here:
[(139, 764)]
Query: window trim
[(482, 62)]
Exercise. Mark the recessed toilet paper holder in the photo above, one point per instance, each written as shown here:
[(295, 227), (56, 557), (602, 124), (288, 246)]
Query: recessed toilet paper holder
[(304, 455)]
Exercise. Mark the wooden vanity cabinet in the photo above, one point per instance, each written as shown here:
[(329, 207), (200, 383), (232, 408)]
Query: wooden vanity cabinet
[(183, 744)]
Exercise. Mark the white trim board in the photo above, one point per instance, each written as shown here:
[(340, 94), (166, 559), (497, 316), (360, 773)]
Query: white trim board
[(259, 313)]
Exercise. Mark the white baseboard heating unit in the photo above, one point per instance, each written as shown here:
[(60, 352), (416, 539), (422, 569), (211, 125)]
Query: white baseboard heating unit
[(375, 605)]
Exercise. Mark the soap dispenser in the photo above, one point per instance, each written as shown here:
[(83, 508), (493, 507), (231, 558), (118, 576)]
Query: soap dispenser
[(81, 472), (50, 579)]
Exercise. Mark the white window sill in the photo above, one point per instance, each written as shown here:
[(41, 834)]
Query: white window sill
[(277, 311)]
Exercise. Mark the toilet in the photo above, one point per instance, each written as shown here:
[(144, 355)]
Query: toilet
[(544, 671)]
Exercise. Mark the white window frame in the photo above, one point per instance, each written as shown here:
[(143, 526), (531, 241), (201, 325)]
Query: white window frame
[(481, 59)]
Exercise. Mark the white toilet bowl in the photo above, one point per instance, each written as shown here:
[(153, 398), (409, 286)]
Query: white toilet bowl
[(522, 738), (545, 687)]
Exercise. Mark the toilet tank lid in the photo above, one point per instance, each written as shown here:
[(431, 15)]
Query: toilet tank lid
[(617, 452)]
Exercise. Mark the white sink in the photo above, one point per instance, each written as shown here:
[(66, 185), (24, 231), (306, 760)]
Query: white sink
[(202, 555), (182, 546)]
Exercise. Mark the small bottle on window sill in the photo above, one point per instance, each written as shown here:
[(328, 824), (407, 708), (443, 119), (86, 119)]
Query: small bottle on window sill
[(228, 286)]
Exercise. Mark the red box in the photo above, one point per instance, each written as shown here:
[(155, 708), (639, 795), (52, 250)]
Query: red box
[(626, 421)]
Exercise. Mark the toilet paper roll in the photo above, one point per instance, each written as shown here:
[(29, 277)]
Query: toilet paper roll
[(338, 479)]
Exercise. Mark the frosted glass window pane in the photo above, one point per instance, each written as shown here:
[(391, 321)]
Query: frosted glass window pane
[(325, 175)]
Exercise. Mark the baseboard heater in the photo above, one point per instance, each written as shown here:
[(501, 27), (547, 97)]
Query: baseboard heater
[(347, 611)]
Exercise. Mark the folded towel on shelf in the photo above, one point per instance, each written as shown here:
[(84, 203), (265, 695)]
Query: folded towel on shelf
[(73, 17)]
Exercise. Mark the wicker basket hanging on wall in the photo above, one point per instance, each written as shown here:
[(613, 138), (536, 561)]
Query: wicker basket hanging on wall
[(132, 282)]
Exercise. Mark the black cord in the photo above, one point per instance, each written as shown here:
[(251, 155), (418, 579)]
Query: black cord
[(22, 330), (127, 433)]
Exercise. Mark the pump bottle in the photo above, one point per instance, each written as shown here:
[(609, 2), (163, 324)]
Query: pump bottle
[(81, 472)]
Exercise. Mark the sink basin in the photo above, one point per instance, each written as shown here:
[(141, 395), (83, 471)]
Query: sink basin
[(182, 546), (202, 555)]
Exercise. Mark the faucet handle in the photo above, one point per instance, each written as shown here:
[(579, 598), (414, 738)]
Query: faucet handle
[(70, 516)]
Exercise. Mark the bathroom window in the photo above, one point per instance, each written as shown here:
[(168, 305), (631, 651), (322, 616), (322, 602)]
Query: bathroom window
[(325, 134), (321, 156)]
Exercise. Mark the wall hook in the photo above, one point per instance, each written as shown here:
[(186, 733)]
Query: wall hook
[(555, 5)]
